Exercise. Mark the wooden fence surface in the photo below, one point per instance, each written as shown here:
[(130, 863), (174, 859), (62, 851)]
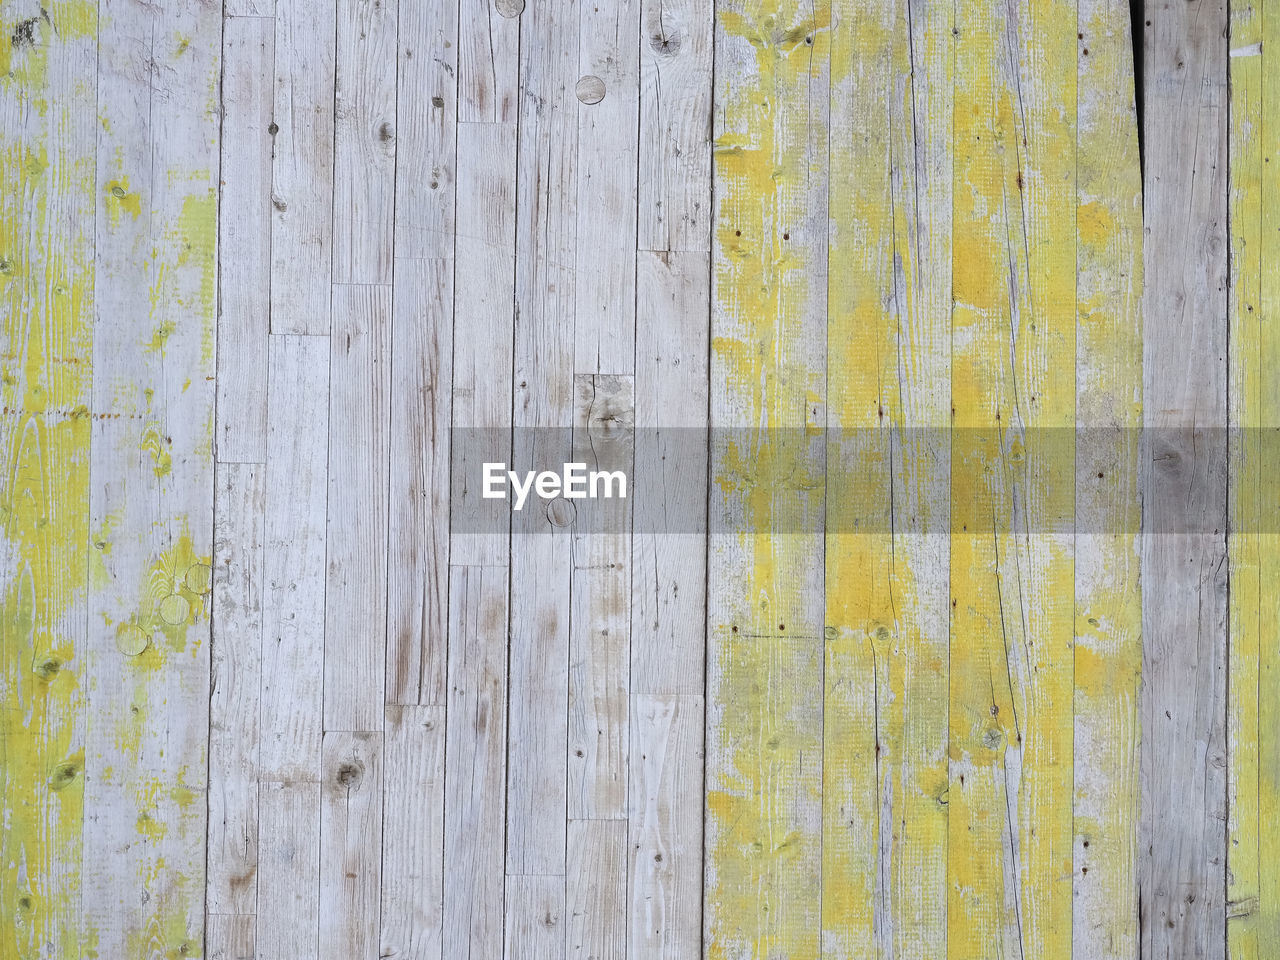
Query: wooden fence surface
[(934, 338)]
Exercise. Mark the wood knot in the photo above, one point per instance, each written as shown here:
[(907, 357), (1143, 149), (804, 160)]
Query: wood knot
[(386, 132), (349, 775), (664, 45), (509, 8), (590, 89), (273, 128)]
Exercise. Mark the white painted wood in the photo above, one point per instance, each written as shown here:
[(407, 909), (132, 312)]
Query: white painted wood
[(605, 290), (230, 936), (599, 643), (236, 656), (421, 392), (364, 146), (244, 238), (675, 125), (546, 252), (476, 748), (289, 870), (302, 166), (355, 620), (488, 60), (351, 799), (536, 921), (596, 889), (426, 129), (1183, 573), (151, 489), (412, 920), (669, 546), (484, 292), (664, 907), (293, 603)]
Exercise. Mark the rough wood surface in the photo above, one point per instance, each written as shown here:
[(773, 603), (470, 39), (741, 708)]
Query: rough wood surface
[(924, 649)]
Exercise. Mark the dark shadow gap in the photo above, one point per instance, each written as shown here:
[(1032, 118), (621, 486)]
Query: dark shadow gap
[(1137, 31)]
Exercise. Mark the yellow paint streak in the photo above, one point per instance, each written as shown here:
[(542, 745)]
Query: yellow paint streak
[(1253, 746), (764, 783), (1013, 358), (884, 720), (1108, 643), (46, 315)]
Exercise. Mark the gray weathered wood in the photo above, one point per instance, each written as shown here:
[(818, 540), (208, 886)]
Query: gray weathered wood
[(364, 144), (1183, 712), (418, 567), (355, 620), (476, 747), (351, 803), (236, 654), (244, 239), (289, 870), (302, 166), (412, 919)]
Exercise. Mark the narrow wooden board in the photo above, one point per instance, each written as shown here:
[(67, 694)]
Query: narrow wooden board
[(1108, 596), (1184, 573), (48, 275), (151, 492), (302, 187)]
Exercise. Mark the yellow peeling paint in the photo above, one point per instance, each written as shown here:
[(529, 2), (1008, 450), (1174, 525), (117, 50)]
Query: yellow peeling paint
[(764, 783), (1253, 747), (1013, 396), (46, 316), (1108, 627)]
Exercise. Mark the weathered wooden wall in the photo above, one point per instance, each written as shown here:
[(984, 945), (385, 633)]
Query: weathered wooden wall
[(981, 662)]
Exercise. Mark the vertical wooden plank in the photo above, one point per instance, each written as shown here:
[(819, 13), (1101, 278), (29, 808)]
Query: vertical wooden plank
[(288, 870), (675, 125), (48, 59), (302, 166), (541, 548), (1013, 393), (230, 937), (355, 619), (1184, 597), (147, 669), (1108, 619), (484, 293), (888, 408), (665, 886), (488, 60), (1268, 514), (608, 152), (295, 528), (244, 238), (537, 927), (426, 129), (413, 834), (596, 894), (669, 540), (765, 590), (364, 142), (418, 585), (599, 641), (236, 655), (351, 798), (1252, 914), (476, 748)]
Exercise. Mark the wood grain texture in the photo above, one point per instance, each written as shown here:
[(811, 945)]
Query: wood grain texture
[(924, 649), (151, 489), (765, 589), (1108, 595), (1184, 597)]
